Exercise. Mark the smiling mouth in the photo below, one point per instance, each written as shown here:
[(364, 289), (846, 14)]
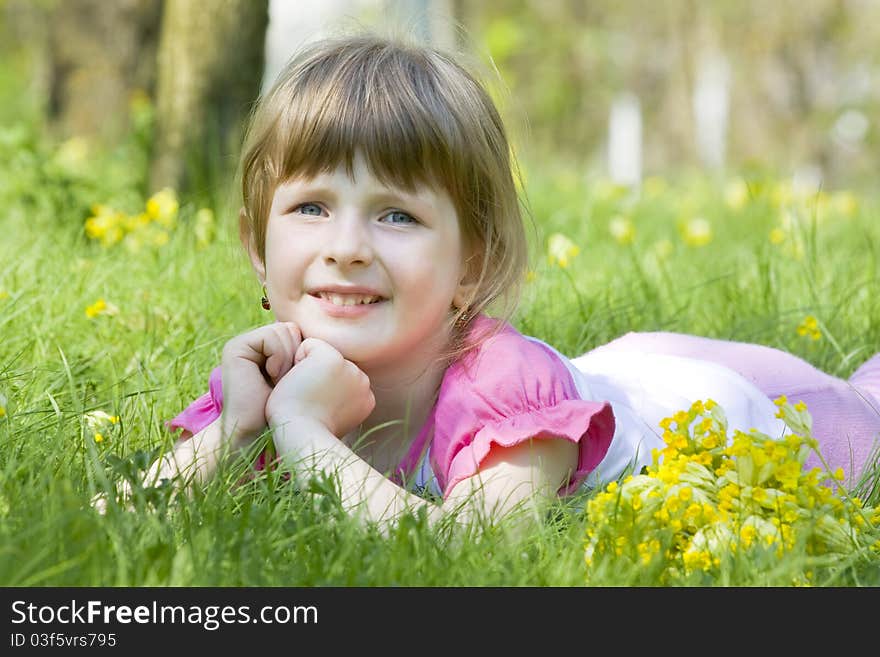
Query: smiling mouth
[(348, 299)]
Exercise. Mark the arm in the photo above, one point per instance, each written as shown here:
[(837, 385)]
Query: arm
[(190, 462), (525, 476), (194, 459), (252, 364)]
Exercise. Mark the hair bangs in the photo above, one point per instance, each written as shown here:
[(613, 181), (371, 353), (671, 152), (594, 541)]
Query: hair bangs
[(383, 105)]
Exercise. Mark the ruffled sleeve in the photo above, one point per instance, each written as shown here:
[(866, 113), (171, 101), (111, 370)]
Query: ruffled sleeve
[(202, 411), (508, 391)]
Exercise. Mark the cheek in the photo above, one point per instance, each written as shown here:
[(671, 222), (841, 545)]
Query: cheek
[(430, 278), (285, 254)]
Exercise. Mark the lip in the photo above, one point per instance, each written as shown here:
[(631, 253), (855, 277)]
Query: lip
[(346, 312)]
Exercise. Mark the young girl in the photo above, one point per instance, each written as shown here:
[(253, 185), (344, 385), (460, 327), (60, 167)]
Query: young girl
[(381, 218)]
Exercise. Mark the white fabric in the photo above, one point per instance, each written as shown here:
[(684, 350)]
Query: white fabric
[(644, 388)]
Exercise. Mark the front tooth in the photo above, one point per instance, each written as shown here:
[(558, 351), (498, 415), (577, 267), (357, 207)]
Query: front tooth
[(347, 300)]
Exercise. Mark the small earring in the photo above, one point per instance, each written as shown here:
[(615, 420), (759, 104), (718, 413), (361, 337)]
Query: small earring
[(462, 320), (265, 300)]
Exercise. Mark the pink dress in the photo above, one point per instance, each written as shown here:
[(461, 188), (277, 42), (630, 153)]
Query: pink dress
[(507, 391), (609, 401)]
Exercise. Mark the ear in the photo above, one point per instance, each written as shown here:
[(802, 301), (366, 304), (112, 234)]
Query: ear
[(247, 241)]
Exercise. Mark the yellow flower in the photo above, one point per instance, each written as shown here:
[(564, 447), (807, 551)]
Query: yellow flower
[(531, 276), (149, 227), (748, 534), (101, 307), (697, 232), (704, 501), (622, 230), (561, 249), (162, 207), (4, 295), (96, 308), (2, 405), (105, 225), (777, 236), (809, 328), (98, 423)]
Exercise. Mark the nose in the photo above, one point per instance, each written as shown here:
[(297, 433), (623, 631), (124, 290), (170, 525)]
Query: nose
[(348, 242)]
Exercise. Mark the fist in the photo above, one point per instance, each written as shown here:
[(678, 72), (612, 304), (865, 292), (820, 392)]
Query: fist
[(324, 386), (252, 363)]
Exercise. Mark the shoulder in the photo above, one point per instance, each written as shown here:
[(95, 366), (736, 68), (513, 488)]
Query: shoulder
[(509, 390), (505, 361)]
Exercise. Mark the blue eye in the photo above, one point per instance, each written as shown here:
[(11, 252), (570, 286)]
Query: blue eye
[(398, 217), (309, 208)]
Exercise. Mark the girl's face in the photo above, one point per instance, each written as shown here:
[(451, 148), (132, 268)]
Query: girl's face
[(372, 270)]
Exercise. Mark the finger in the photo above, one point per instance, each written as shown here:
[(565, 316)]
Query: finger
[(283, 360), (295, 335), (275, 353), (254, 346), (315, 346), (358, 374)]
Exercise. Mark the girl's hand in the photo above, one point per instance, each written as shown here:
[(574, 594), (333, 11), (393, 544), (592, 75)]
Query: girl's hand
[(252, 364), (323, 386)]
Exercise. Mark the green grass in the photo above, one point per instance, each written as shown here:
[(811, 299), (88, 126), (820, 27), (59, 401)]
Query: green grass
[(177, 305)]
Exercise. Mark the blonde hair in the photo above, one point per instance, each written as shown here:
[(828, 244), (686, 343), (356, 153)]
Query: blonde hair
[(418, 117)]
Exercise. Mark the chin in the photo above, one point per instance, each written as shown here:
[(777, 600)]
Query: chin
[(356, 346)]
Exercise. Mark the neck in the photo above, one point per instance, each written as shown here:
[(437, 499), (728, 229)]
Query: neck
[(405, 394)]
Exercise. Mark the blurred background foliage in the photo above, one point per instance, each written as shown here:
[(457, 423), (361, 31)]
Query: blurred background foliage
[(803, 76), (178, 77)]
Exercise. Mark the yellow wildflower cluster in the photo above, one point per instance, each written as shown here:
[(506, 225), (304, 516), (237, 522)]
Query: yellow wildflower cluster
[(99, 424), (809, 328), (151, 227), (708, 497), (101, 307), (784, 194)]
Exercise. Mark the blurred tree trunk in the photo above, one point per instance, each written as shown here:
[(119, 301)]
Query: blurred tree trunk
[(210, 63), (99, 52)]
